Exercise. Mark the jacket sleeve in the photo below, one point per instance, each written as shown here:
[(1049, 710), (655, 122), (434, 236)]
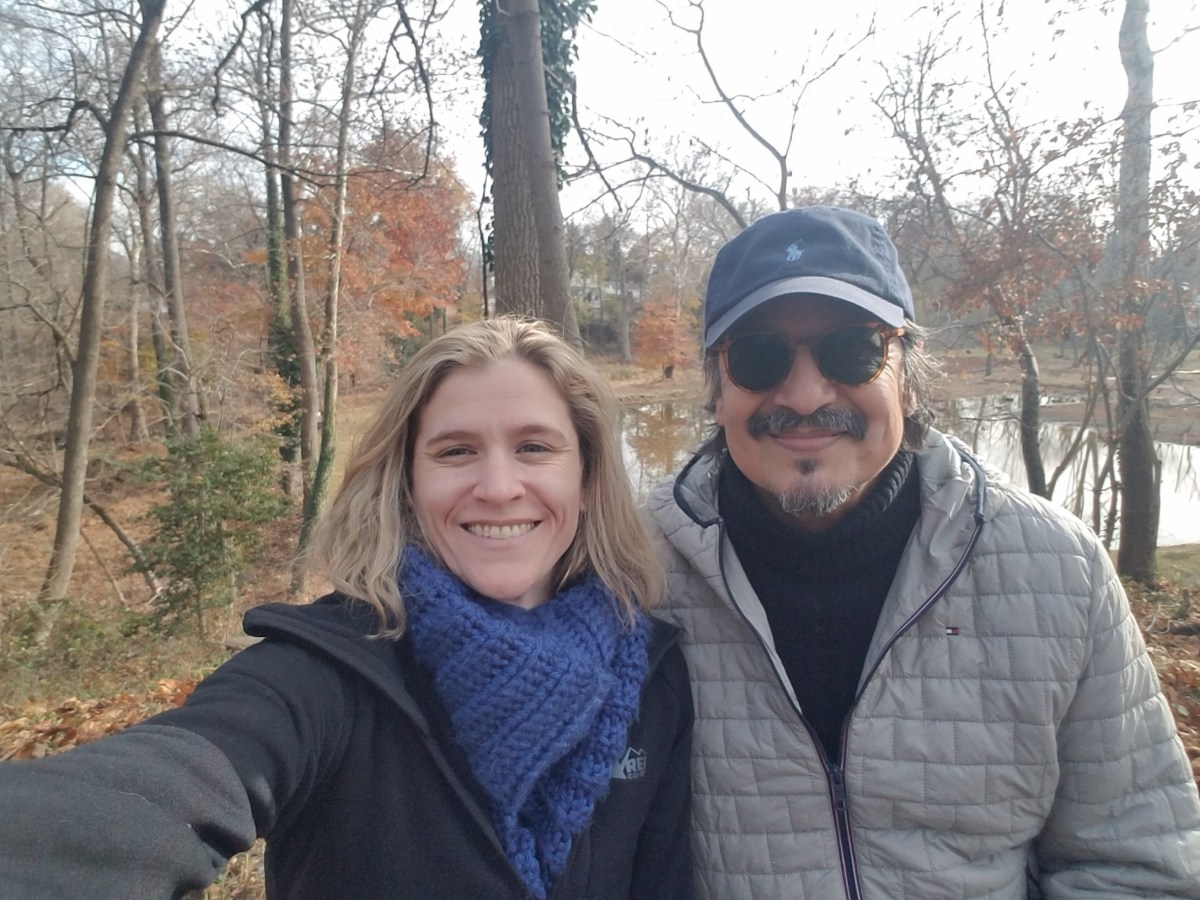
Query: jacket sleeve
[(1126, 818), (663, 862), (157, 809)]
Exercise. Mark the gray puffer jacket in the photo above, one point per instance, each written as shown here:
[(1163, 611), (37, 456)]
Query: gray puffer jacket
[(1009, 738)]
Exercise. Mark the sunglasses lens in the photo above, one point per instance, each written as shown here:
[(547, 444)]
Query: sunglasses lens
[(758, 362), (851, 355)]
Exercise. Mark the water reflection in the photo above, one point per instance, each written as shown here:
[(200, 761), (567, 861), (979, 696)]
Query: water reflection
[(658, 438), (991, 428)]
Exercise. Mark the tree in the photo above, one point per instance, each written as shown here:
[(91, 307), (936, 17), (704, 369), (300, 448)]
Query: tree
[(1139, 466), (95, 288), (662, 335), (529, 243), (1008, 237), (182, 374), (721, 174)]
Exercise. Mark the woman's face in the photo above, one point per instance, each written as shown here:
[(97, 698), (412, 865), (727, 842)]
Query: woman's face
[(498, 479)]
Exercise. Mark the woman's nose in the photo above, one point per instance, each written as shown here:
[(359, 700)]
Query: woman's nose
[(498, 479)]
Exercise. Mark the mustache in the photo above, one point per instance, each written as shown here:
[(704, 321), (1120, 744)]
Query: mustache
[(850, 421)]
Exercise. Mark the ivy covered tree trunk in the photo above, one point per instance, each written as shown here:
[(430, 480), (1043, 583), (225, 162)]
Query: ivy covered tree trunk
[(1139, 466), (281, 344), (514, 239), (524, 134), (524, 32)]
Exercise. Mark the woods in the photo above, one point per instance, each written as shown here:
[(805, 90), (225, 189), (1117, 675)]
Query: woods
[(216, 223)]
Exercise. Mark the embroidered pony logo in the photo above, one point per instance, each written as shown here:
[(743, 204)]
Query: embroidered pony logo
[(631, 765), (794, 251)]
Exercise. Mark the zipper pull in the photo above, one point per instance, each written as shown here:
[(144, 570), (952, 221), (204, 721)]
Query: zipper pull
[(839, 790)]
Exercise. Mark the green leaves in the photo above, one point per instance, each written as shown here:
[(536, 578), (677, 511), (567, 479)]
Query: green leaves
[(219, 493)]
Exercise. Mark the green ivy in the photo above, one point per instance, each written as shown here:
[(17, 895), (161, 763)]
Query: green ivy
[(560, 23)]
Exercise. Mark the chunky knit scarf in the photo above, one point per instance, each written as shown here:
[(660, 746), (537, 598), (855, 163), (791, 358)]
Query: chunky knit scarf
[(541, 701)]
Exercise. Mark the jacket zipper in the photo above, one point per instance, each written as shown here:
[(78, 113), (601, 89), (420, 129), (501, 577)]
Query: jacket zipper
[(835, 772), (841, 824)]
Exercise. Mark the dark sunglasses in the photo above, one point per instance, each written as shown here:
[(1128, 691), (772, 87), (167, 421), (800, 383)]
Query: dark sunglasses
[(852, 356)]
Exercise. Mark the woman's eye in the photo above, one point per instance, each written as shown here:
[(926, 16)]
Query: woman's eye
[(455, 451), (534, 448)]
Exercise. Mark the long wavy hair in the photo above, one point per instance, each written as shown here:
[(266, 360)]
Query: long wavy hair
[(357, 544)]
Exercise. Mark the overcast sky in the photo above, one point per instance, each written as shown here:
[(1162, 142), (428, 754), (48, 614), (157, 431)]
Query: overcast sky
[(634, 66)]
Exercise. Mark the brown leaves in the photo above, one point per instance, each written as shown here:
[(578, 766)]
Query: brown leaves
[(1167, 616), (36, 730)]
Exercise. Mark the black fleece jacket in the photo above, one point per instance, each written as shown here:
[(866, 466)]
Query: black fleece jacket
[(333, 746)]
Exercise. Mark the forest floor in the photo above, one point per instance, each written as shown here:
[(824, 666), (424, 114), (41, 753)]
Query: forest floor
[(94, 677)]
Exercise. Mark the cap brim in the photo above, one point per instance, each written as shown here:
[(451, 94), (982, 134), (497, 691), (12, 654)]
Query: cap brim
[(886, 312)]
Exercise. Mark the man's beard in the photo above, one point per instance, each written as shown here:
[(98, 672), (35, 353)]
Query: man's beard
[(808, 500)]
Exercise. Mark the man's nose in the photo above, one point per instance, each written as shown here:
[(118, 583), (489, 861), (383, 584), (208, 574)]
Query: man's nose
[(499, 478), (805, 389)]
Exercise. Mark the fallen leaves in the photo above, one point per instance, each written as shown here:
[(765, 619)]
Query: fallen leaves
[(35, 729)]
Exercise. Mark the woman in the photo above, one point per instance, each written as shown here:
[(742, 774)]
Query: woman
[(483, 709)]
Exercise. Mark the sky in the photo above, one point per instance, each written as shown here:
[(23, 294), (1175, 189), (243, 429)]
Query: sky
[(634, 67)]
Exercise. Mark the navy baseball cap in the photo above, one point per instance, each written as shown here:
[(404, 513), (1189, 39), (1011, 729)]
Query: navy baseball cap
[(824, 250)]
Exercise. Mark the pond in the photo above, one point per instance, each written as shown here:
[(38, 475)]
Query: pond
[(658, 438)]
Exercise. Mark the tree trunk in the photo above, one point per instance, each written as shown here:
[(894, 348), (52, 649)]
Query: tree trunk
[(138, 430), (1031, 414), (306, 358), (514, 240), (522, 82), (1139, 467), (281, 351), (91, 322), (329, 336), (151, 272), (188, 395)]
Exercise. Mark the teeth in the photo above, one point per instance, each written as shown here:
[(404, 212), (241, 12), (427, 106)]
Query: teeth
[(500, 532)]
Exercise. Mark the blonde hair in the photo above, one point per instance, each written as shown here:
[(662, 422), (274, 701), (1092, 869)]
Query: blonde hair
[(357, 544)]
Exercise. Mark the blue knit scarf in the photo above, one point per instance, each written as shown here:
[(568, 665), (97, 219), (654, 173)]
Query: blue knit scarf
[(540, 700)]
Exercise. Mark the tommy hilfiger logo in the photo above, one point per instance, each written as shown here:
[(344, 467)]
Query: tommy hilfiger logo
[(631, 765), (794, 251)]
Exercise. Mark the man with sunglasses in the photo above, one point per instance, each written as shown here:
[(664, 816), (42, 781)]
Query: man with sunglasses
[(912, 679)]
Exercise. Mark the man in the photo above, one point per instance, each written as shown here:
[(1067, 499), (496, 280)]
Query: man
[(912, 679)]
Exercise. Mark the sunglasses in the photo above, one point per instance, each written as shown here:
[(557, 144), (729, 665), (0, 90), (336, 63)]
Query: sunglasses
[(851, 356)]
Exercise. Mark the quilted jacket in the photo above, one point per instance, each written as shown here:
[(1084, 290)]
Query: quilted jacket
[(1008, 739)]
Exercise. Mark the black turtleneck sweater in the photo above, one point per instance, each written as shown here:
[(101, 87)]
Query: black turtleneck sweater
[(823, 591)]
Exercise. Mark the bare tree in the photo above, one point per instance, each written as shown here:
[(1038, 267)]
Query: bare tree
[(95, 288), (1139, 466), (181, 344), (999, 239), (815, 62)]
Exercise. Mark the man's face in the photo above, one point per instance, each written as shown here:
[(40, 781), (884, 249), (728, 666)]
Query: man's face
[(812, 446)]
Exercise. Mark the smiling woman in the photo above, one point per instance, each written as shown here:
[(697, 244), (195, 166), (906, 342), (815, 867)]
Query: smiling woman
[(498, 480), (483, 709)]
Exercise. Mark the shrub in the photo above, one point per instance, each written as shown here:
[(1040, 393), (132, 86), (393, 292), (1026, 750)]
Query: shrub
[(219, 494)]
